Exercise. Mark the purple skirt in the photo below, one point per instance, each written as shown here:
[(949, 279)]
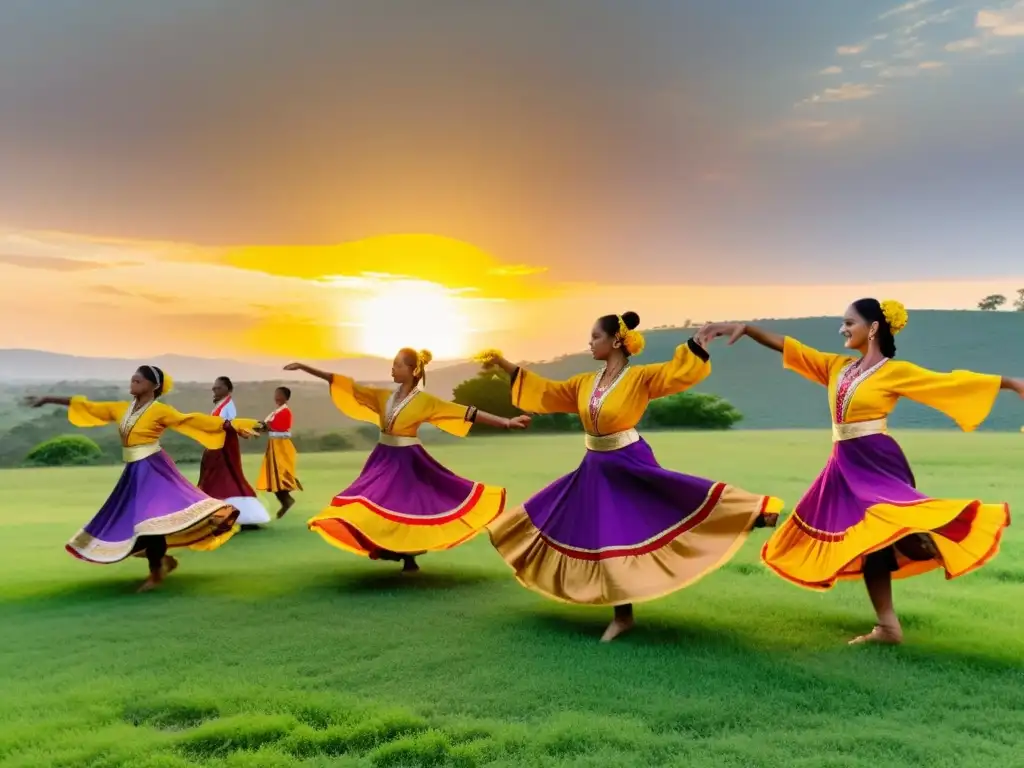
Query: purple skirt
[(151, 498), (863, 513), (408, 481), (617, 499), (404, 501), (622, 529)]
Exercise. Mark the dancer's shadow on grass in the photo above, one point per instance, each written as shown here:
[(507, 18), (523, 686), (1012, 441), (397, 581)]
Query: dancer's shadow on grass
[(441, 581)]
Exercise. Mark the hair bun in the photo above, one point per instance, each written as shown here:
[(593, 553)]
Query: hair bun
[(425, 356), (631, 320)]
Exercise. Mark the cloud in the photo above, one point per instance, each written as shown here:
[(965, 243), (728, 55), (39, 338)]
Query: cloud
[(967, 44), (851, 50), (833, 70), (913, 5), (871, 64), (845, 92), (1008, 22), (53, 263), (111, 290), (931, 65)]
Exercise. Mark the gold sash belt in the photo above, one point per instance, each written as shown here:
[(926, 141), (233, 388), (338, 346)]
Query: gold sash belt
[(612, 442), (279, 435), (132, 453), (397, 441), (855, 429)]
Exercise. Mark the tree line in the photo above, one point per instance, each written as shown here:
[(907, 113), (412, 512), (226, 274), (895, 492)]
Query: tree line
[(996, 300), (35, 443)]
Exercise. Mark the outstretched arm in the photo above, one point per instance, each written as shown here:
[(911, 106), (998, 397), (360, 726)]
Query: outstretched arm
[(310, 370), (1013, 385), (517, 422), (734, 331)]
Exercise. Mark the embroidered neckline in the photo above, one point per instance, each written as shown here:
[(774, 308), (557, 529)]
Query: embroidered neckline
[(596, 402), (847, 385), (131, 418), (392, 409)]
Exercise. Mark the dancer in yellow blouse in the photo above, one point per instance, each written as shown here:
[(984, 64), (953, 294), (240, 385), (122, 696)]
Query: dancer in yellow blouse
[(863, 517), (404, 503), (153, 507), (620, 529)]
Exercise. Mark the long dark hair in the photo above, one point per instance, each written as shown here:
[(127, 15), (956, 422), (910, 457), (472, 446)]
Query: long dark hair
[(153, 375), (610, 325), (871, 311)]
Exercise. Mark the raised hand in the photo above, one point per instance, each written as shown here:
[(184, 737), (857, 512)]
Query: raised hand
[(294, 367), (711, 331), (33, 402)]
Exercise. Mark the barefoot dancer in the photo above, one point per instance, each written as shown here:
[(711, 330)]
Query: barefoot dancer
[(153, 507), (220, 472), (620, 529), (404, 503), (277, 473), (863, 517)]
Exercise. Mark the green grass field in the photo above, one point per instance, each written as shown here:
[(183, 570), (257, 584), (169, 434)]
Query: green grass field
[(281, 650)]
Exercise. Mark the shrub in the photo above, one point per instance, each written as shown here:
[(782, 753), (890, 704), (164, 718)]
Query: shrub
[(691, 410), (65, 451)]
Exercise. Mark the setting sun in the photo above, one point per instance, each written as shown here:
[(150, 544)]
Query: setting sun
[(413, 313)]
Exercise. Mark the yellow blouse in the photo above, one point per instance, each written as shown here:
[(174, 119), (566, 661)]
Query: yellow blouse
[(146, 424), (622, 404), (400, 418), (964, 396)]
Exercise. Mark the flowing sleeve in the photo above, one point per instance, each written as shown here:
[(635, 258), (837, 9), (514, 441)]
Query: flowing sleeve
[(964, 396), (535, 394), (690, 365), (357, 401), (451, 417), (83, 412), (205, 429), (809, 362)]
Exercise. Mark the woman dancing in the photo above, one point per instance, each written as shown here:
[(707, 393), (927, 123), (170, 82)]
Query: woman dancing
[(152, 508), (404, 503), (863, 517), (620, 529), (278, 470), (220, 472)]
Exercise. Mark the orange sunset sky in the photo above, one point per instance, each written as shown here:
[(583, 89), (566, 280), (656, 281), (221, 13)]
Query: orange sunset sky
[(115, 298), (495, 174)]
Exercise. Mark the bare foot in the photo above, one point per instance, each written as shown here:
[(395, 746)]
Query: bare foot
[(167, 565), (881, 635), (285, 506), (410, 565), (616, 628)]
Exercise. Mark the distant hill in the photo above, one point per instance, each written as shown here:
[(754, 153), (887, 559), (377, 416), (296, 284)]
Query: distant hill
[(750, 377), (20, 366)]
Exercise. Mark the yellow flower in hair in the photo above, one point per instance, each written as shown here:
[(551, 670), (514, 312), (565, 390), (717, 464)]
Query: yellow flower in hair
[(423, 358), (895, 315), (487, 358), (632, 341), (168, 384)]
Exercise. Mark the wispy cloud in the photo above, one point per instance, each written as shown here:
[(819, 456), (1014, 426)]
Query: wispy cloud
[(931, 65), (821, 132), (900, 10), (833, 70), (966, 44), (851, 50), (844, 92), (52, 263)]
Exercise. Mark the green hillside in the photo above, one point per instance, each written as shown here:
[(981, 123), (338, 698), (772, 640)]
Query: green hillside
[(750, 377)]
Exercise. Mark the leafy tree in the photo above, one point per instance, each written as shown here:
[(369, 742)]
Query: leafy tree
[(489, 391), (693, 410), (65, 451), (1018, 303), (991, 303)]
